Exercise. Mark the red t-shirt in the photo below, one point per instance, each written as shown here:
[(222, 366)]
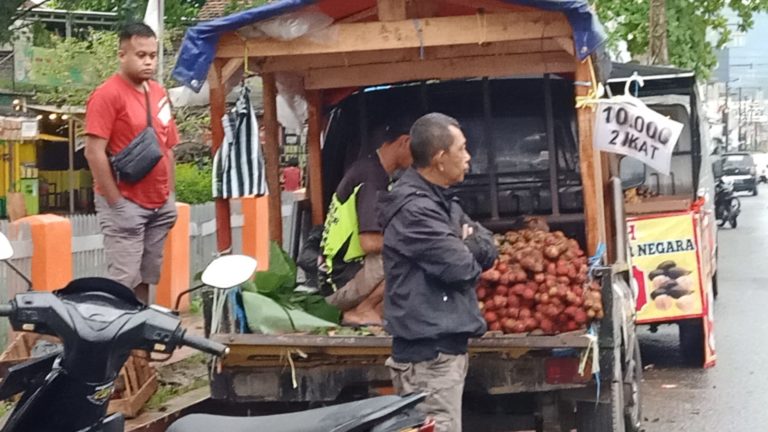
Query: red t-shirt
[(291, 178), (117, 112)]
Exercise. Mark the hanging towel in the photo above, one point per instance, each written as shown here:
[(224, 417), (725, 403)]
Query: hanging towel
[(238, 166)]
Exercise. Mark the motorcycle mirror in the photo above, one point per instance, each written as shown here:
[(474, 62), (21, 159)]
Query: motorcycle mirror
[(6, 250), (229, 271)]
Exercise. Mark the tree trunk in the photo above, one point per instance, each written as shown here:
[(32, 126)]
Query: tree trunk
[(657, 35)]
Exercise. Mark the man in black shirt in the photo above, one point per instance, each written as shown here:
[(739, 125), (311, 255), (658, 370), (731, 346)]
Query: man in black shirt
[(351, 271), (433, 257)]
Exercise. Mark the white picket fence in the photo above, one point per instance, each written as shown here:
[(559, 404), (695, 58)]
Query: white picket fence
[(88, 257), (10, 282)]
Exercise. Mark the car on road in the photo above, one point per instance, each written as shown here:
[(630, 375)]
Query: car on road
[(761, 166), (740, 169)]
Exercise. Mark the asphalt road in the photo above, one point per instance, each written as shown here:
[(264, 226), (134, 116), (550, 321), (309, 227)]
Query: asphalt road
[(732, 396)]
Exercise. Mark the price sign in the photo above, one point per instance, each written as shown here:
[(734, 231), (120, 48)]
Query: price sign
[(632, 129)]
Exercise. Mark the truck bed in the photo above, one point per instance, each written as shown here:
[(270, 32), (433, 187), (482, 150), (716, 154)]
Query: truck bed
[(244, 346), (298, 368)]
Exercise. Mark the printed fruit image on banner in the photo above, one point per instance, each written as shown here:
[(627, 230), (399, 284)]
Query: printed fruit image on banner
[(665, 266)]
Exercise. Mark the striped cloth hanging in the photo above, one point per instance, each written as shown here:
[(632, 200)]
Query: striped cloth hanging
[(238, 166)]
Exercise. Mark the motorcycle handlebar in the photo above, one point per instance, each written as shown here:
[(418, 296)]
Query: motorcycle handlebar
[(6, 310), (205, 345)]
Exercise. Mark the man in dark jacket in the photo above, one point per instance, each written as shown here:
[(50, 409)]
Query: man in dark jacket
[(433, 255)]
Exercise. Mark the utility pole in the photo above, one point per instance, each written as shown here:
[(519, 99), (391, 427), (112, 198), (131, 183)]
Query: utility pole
[(726, 114), (658, 52), (740, 118)]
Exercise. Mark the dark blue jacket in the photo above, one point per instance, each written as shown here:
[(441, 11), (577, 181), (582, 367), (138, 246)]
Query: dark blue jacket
[(431, 274)]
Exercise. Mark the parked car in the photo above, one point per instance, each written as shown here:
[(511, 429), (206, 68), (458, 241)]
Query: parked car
[(740, 169), (761, 165)]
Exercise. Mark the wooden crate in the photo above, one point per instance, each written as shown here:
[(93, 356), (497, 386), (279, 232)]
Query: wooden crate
[(135, 384)]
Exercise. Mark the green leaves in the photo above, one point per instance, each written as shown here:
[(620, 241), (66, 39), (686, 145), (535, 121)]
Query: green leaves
[(278, 283), (193, 183), (273, 307), (690, 22)]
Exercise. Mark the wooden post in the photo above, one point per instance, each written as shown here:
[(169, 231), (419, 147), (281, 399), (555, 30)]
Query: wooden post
[(610, 224), (589, 161), (218, 96), (392, 10), (314, 137), (272, 157)]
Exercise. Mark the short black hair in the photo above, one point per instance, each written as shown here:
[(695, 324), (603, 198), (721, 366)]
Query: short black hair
[(431, 134), (129, 30), (390, 130)]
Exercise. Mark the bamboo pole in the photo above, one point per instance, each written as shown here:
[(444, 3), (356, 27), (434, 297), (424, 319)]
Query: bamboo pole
[(590, 163), (218, 95), (272, 157), (314, 136)]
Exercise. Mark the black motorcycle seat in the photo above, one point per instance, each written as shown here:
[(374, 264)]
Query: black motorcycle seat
[(337, 418)]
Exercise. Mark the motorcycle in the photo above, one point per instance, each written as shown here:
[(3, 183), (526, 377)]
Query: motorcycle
[(100, 322), (727, 205)]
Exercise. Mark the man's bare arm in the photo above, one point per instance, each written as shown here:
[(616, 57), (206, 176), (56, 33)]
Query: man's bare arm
[(372, 243), (96, 154)]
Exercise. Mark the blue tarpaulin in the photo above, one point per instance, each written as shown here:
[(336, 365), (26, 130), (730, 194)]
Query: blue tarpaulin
[(199, 46)]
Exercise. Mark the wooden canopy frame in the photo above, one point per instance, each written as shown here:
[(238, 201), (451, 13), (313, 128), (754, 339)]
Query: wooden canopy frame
[(402, 41)]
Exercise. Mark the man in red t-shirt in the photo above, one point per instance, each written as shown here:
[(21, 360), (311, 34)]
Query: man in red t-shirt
[(291, 176), (134, 217)]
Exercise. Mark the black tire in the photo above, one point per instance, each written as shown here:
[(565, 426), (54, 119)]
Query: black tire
[(633, 403), (692, 341), (734, 222), (608, 416), (721, 222), (591, 417), (714, 285)]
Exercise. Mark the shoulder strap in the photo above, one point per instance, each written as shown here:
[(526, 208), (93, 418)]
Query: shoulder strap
[(149, 109)]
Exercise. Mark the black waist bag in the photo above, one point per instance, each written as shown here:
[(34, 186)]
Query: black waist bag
[(141, 155)]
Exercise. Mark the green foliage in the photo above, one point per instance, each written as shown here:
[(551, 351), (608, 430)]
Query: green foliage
[(100, 55), (193, 183), (240, 5), (8, 16), (178, 13), (82, 64), (689, 23)]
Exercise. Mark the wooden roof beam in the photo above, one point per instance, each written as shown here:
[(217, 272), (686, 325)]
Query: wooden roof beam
[(321, 61), (429, 32), (454, 68)]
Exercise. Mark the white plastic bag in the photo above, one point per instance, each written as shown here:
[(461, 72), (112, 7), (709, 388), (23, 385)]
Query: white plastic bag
[(296, 24)]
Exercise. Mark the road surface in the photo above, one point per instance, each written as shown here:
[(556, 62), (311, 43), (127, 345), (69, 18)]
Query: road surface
[(732, 396)]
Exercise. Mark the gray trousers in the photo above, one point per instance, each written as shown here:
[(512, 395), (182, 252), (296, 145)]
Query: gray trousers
[(442, 379), (134, 238)]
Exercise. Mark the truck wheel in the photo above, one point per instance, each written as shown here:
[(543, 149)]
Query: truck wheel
[(692, 341), (604, 417), (633, 378), (714, 285)]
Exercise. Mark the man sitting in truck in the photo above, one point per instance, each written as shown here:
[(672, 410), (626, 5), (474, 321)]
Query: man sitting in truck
[(351, 272)]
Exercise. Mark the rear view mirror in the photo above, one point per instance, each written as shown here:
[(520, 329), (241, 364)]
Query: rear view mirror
[(632, 173), (229, 271), (6, 250)]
